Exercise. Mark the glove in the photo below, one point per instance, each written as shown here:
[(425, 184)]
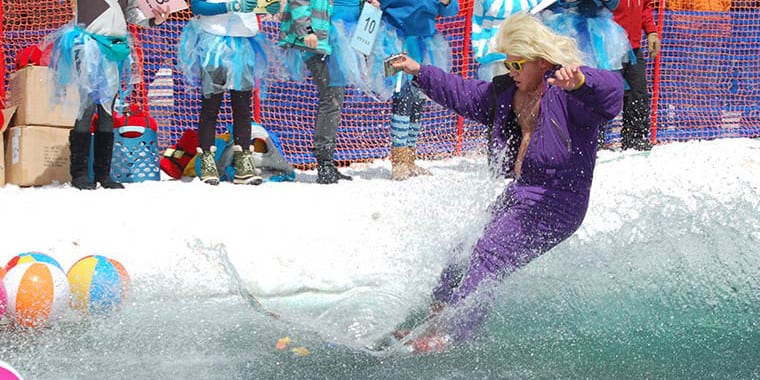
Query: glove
[(653, 44), (247, 6), (233, 6)]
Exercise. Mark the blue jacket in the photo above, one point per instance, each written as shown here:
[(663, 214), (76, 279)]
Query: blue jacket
[(416, 17)]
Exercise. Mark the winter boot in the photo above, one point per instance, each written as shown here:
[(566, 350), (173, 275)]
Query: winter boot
[(327, 173), (208, 172), (245, 171), (416, 170), (400, 167), (79, 145), (102, 164)]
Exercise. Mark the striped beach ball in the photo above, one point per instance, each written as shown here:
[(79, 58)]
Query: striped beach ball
[(3, 296), (7, 372), (38, 293), (30, 257), (98, 285)]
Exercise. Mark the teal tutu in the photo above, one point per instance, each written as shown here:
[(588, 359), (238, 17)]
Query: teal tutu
[(76, 59), (430, 50), (604, 44), (347, 67), (215, 64)]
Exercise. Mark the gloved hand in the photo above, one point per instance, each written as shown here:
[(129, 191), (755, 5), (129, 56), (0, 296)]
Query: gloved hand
[(233, 6), (653, 44), (247, 6)]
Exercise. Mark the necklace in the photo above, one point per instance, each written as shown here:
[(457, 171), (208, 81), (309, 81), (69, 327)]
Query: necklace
[(527, 111)]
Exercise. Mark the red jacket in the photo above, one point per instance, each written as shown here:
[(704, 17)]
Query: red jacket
[(635, 16)]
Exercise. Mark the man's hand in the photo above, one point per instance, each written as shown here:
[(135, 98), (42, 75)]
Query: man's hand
[(160, 14), (374, 3), (653, 44), (406, 64), (310, 40), (568, 78)]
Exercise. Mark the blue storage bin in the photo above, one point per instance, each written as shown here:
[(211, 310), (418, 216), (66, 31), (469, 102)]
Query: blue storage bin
[(135, 155)]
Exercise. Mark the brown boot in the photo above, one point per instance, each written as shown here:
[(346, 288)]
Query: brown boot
[(416, 170), (400, 168)]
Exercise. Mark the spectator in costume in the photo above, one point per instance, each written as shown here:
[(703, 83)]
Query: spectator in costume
[(94, 52), (602, 42), (635, 16), (412, 30), (221, 50), (544, 118), (316, 34)]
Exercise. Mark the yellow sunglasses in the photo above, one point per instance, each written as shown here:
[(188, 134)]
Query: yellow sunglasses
[(515, 65)]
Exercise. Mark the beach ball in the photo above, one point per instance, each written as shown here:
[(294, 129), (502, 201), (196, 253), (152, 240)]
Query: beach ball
[(29, 257), (3, 296), (38, 293), (7, 372), (3, 299), (98, 285)]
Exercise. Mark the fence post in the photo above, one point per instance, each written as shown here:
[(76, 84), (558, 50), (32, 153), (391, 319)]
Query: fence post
[(656, 74), (465, 70)]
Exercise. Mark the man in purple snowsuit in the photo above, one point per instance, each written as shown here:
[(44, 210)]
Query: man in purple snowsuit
[(545, 117)]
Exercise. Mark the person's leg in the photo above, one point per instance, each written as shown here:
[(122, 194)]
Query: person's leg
[(327, 121), (206, 135), (104, 148), (418, 105), (241, 117), (517, 234), (401, 111), (207, 120), (245, 172), (79, 147), (636, 114)]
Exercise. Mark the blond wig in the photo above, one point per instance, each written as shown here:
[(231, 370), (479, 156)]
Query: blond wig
[(525, 36)]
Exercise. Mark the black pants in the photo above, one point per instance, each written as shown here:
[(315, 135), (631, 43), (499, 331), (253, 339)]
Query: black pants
[(241, 118), (105, 119), (329, 108), (636, 112)]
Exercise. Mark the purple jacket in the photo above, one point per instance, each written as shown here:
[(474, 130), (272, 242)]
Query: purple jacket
[(562, 150), (548, 202)]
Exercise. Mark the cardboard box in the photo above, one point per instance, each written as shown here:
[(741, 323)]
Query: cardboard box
[(7, 116), (31, 91), (37, 155)]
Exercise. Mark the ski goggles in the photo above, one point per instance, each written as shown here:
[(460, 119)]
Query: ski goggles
[(516, 65)]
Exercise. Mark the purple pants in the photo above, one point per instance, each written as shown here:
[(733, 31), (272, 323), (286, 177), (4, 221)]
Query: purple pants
[(526, 222)]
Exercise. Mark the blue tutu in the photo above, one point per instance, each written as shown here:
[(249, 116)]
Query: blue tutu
[(347, 67), (77, 59), (216, 63), (603, 43)]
